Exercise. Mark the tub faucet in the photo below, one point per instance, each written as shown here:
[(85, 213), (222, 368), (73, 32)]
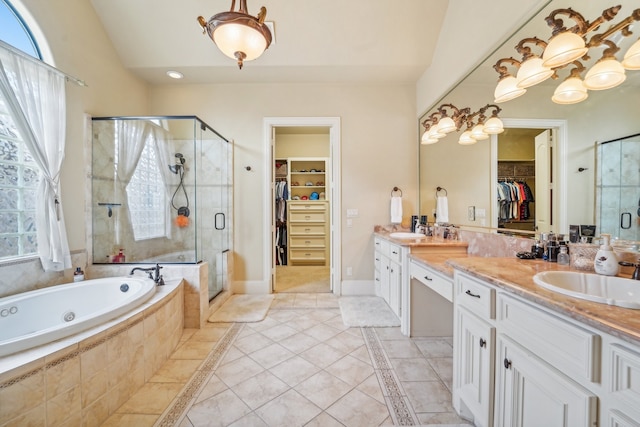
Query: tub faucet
[(154, 273)]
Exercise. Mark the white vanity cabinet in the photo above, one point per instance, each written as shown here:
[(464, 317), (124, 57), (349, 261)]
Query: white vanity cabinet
[(473, 349), (518, 364), (388, 259)]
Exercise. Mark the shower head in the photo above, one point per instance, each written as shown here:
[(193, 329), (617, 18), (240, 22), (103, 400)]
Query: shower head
[(180, 158)]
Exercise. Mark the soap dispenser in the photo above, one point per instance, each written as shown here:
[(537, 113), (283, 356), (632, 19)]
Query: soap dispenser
[(606, 261)]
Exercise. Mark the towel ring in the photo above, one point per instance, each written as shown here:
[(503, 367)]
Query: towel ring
[(438, 189), (395, 189)]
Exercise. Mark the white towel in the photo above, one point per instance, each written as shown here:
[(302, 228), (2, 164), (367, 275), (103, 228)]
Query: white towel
[(396, 209), (442, 209)]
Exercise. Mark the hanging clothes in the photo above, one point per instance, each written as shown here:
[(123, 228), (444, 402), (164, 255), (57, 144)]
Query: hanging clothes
[(513, 200), (282, 194)]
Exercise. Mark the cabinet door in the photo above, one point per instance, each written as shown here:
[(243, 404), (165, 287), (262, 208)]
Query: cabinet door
[(384, 278), (395, 287), (530, 393), (473, 376)]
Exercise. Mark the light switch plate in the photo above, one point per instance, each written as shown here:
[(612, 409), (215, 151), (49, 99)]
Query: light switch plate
[(352, 213), (471, 213)]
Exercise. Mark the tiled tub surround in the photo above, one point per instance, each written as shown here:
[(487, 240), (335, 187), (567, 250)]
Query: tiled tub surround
[(83, 379), (196, 294)]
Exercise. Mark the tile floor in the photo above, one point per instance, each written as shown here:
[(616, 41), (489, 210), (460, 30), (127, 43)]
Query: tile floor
[(300, 366)]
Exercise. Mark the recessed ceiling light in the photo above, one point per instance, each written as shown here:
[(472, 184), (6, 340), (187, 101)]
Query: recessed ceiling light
[(174, 74)]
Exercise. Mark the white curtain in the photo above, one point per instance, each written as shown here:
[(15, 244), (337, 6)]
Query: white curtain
[(35, 97), (165, 158), (131, 137)]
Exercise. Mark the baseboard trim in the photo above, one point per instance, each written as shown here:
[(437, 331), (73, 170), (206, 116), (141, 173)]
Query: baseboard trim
[(251, 287), (358, 287)]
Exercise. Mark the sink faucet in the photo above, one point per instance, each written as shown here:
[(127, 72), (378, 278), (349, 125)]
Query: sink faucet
[(636, 273), (154, 273)]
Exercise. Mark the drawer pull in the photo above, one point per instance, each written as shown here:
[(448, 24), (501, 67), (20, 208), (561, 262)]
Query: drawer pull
[(377, 259), (307, 217), (483, 342), (308, 242), (471, 294), (394, 252), (307, 254), (392, 270), (428, 278), (507, 363), (306, 230)]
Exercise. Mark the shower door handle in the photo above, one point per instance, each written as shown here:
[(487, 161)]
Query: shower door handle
[(626, 215), (217, 220)]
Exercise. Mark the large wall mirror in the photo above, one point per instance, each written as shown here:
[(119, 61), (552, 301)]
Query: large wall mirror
[(550, 147)]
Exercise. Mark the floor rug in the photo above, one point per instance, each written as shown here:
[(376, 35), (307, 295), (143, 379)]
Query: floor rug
[(243, 308), (362, 311)]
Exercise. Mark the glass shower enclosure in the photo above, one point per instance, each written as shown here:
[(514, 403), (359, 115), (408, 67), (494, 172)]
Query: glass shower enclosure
[(162, 193), (618, 188)]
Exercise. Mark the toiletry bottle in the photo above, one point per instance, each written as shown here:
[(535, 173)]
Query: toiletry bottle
[(606, 261), (552, 251), (120, 256), (78, 275), (563, 256)]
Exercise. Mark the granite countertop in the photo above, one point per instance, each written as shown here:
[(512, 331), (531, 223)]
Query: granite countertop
[(438, 261), (516, 276), (425, 241)]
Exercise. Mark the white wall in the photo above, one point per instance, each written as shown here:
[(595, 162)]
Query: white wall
[(378, 152)]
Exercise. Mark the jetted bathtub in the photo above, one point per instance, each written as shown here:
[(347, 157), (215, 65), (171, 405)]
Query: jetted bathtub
[(38, 317)]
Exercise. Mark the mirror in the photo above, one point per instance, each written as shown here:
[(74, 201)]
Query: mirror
[(470, 173)]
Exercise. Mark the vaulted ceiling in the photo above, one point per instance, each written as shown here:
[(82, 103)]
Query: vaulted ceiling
[(365, 41)]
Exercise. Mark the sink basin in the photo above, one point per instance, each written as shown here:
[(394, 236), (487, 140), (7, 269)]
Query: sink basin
[(592, 287), (406, 235)]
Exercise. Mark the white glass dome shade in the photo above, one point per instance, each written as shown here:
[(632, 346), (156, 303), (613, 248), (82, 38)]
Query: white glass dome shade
[(478, 132), (571, 91), (507, 89), (493, 126), (631, 59), (466, 138), (562, 49), (532, 72), (605, 74)]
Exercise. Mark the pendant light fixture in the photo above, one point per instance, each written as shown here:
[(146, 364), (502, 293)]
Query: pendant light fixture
[(237, 34), (475, 131)]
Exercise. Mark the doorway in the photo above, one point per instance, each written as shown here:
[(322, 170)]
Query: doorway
[(303, 192), (541, 165)]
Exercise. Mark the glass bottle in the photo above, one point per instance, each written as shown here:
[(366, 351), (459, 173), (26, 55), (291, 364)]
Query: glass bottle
[(563, 256)]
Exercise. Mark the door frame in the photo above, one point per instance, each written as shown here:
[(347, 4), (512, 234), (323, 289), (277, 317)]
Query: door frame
[(559, 162), (334, 193)]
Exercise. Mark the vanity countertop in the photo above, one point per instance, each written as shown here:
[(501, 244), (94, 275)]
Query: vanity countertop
[(429, 241), (438, 262), (516, 276)]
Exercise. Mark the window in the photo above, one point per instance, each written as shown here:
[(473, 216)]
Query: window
[(146, 196), (15, 32), (19, 177)]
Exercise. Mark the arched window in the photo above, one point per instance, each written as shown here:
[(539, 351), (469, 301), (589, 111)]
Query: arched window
[(15, 32)]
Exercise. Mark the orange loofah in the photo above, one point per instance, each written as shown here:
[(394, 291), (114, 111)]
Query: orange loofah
[(182, 221)]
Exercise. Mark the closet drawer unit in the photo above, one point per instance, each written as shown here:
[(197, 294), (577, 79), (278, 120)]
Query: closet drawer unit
[(306, 229), (307, 241), (309, 255), (477, 297), (564, 345), (307, 216), (308, 206)]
